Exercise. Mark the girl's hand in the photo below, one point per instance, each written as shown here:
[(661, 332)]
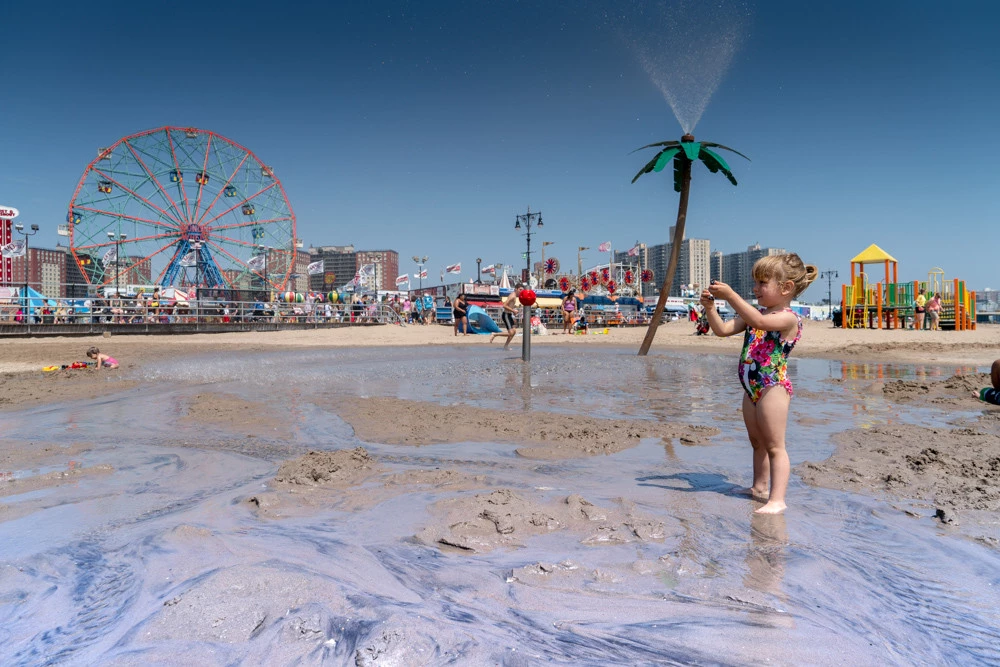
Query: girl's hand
[(720, 290)]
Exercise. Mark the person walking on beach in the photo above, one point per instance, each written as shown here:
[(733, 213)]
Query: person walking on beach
[(569, 304), (991, 394), (507, 317), (934, 311), (769, 334), (460, 312), (919, 310)]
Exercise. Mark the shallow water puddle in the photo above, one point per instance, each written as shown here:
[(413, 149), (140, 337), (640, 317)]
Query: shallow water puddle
[(164, 558)]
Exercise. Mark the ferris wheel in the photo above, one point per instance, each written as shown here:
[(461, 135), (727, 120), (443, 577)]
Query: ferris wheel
[(182, 207)]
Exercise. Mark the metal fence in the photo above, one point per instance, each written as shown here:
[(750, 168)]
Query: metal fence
[(144, 316)]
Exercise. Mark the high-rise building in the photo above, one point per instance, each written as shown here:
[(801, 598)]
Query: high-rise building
[(693, 264), (340, 263), (386, 266), (737, 268)]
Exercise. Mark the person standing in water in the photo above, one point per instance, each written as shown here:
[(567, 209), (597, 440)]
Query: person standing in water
[(769, 334)]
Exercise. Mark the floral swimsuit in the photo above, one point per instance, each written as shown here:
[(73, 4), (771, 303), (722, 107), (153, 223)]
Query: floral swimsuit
[(763, 362)]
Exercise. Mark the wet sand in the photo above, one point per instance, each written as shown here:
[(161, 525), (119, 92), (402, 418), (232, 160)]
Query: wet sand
[(306, 497)]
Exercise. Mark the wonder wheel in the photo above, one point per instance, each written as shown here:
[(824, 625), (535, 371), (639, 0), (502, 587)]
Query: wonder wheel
[(182, 207)]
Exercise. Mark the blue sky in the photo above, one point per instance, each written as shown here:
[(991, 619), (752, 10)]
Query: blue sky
[(425, 127)]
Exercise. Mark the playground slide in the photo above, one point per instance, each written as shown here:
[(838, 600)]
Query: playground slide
[(480, 322)]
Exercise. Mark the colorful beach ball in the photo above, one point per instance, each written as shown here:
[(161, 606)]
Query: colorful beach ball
[(288, 297), (333, 296), (299, 298)]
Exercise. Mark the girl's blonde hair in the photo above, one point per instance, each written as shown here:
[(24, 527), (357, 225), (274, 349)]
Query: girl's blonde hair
[(785, 267)]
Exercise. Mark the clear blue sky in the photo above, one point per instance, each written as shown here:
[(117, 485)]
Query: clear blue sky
[(426, 126)]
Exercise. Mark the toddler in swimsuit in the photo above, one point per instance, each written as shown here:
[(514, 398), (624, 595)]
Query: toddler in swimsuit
[(769, 334), (103, 360)]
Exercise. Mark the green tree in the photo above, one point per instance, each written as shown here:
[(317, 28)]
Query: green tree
[(682, 154)]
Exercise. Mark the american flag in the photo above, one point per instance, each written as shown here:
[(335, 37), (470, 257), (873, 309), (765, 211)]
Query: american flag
[(604, 247)]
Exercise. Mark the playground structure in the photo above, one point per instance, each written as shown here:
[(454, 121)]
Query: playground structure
[(890, 303)]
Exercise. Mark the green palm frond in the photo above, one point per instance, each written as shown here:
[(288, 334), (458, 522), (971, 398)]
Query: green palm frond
[(651, 165), (726, 148), (665, 144), (715, 164)]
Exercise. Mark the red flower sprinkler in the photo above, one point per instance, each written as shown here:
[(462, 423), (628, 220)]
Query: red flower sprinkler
[(682, 153)]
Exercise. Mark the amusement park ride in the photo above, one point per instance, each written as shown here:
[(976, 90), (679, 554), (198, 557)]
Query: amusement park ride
[(185, 207)]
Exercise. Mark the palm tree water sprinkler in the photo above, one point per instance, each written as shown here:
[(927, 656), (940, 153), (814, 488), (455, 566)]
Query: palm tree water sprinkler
[(683, 153)]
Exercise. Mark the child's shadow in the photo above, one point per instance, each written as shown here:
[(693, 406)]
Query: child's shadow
[(696, 481)]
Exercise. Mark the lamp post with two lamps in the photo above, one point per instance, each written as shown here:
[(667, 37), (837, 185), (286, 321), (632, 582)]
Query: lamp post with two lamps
[(420, 261), (579, 261), (27, 265), (117, 240), (829, 275), (527, 219)]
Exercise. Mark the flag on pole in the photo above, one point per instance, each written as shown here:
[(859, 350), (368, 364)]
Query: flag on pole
[(367, 270), (256, 263), (13, 249), (315, 268), (403, 279), (454, 268), (604, 247), (634, 252), (110, 257), (190, 259), (421, 275), (490, 270)]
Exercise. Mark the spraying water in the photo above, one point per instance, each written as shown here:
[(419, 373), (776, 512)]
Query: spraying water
[(685, 47)]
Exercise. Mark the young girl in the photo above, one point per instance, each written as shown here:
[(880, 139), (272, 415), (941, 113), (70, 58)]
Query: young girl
[(103, 360), (770, 333)]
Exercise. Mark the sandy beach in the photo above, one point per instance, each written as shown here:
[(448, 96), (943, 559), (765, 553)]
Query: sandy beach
[(352, 446)]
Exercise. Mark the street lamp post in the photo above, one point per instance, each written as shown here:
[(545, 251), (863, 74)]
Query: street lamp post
[(479, 272), (117, 240), (264, 284), (27, 266), (421, 261), (829, 275), (528, 219), (579, 261)]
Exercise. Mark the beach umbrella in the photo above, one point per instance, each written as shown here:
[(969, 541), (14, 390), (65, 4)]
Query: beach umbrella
[(682, 155)]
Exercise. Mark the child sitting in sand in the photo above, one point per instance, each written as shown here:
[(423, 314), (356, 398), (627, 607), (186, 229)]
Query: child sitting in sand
[(991, 394), (103, 360), (770, 333)]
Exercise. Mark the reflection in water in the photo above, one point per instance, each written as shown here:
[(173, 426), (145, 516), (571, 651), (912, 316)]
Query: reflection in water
[(164, 561), (765, 557), (853, 370)]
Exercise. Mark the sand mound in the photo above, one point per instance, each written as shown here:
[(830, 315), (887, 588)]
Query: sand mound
[(341, 467), (551, 435), (503, 518)]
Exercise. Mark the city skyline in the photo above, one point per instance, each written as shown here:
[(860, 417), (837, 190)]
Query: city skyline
[(433, 126)]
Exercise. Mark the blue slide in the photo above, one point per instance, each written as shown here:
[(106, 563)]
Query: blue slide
[(480, 322)]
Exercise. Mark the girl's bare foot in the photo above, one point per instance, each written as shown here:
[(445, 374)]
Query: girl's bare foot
[(754, 493), (771, 507)]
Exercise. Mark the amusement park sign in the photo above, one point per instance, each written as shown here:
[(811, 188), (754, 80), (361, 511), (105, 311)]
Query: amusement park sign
[(8, 212)]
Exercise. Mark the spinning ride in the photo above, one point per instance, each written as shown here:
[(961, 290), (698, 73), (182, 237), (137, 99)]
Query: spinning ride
[(183, 207)]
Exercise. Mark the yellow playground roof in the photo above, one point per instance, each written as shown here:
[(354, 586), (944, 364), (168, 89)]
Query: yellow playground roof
[(873, 254)]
